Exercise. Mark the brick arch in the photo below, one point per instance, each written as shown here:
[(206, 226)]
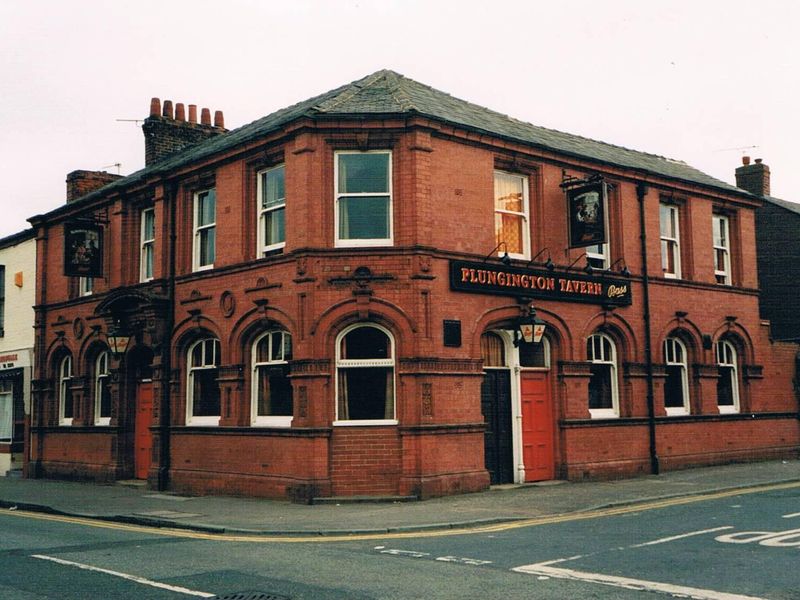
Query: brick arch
[(58, 349), (686, 331), (89, 351), (190, 330), (740, 337), (617, 328), (251, 325)]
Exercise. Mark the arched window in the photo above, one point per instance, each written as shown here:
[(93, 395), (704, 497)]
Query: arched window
[(603, 394), (202, 389), (676, 386), (271, 390), (493, 350), (535, 356), (728, 382), (102, 391), (65, 404), (365, 376)]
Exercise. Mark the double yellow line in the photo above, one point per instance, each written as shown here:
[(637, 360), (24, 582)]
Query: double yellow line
[(506, 526)]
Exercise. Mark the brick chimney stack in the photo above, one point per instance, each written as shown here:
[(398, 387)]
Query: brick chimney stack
[(167, 132), (753, 178), (80, 183)]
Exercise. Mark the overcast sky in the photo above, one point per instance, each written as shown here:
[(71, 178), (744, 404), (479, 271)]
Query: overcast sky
[(699, 81)]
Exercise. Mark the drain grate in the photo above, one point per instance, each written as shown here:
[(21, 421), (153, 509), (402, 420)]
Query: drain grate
[(250, 596)]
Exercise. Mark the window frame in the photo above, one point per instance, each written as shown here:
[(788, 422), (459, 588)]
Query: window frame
[(671, 243), (198, 229), (670, 361), (262, 210), (365, 364), (524, 215), (85, 286), (100, 379), (257, 420), (725, 274), (64, 382), (340, 242), (613, 411), (147, 246), (733, 366), (208, 420)]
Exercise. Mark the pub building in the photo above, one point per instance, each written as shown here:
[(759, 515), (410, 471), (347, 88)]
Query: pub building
[(388, 291)]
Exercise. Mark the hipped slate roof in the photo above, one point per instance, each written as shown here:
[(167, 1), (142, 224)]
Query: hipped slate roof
[(387, 93)]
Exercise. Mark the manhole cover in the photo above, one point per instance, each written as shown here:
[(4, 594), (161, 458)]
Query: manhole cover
[(250, 596)]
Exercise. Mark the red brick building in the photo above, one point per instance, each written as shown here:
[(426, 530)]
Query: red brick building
[(329, 300)]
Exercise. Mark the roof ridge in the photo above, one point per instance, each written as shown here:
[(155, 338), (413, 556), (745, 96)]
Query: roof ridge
[(348, 91)]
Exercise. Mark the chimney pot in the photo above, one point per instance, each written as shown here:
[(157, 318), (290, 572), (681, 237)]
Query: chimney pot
[(205, 117), (168, 109), (745, 160), (180, 113), (193, 113), (155, 107), (219, 120)]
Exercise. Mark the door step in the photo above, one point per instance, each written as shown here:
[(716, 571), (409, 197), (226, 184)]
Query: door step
[(134, 483)]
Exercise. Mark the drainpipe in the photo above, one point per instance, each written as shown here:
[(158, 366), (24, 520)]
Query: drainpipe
[(165, 414), (641, 192)]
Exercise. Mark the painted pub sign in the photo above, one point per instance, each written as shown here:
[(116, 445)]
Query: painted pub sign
[(587, 214), (83, 250), (481, 278)]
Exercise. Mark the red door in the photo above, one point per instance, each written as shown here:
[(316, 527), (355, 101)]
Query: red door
[(537, 426), (143, 438)]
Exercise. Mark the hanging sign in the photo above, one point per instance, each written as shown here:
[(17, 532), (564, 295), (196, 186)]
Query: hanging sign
[(586, 206), (482, 278), (83, 249)]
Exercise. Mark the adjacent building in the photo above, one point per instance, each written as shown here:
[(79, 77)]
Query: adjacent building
[(17, 295), (344, 298)]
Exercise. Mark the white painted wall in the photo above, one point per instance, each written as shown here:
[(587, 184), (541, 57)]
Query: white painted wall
[(19, 300)]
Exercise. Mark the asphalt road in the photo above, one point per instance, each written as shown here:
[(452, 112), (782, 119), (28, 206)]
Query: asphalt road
[(722, 548)]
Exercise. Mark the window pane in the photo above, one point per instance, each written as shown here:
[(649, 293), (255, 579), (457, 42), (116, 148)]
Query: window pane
[(274, 392), (364, 218), (206, 207), (262, 350), (197, 355), (667, 256), (725, 386), (673, 387), (508, 192), (493, 350), (68, 404), (600, 387), (147, 259), (105, 398), (149, 227), (273, 187), (533, 355), (207, 246), (274, 227), (508, 229), (205, 393), (365, 342), (367, 392), (363, 173)]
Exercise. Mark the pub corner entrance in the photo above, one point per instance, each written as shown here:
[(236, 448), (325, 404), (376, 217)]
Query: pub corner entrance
[(516, 402)]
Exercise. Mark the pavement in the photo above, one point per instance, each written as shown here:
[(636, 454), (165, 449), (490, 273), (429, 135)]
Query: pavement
[(223, 514)]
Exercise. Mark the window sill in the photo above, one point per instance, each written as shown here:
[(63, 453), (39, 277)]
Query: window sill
[(728, 410), (202, 422), (272, 422), (65, 423), (104, 422), (366, 422), (363, 243), (677, 411), (603, 413)]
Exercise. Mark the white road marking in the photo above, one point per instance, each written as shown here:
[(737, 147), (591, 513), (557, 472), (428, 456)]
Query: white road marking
[(134, 578), (791, 516), (543, 570), (411, 553), (680, 537), (464, 561)]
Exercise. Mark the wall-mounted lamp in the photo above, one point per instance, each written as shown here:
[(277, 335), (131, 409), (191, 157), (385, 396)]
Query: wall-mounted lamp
[(505, 259), (588, 269), (549, 264), (529, 328), (118, 342), (624, 270)]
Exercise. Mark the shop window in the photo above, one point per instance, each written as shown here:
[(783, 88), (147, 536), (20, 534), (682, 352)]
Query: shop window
[(676, 386), (728, 382), (203, 397), (6, 410), (603, 394), (493, 350), (147, 242), (205, 229), (102, 391), (363, 212), (670, 241), (365, 377), (511, 213), (271, 390), (722, 249), (271, 192), (65, 403)]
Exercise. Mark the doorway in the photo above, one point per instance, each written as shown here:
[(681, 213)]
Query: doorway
[(143, 437), (516, 402)]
